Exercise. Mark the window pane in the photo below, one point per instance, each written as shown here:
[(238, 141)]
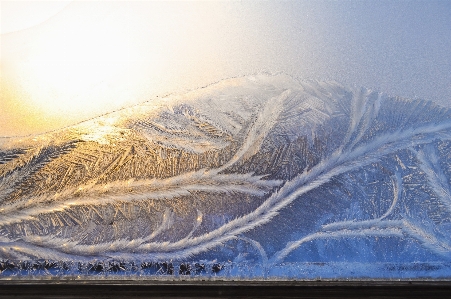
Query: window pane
[(227, 140)]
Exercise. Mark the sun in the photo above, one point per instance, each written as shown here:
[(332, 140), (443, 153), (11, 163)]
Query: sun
[(75, 59), (65, 59), (79, 63), (94, 57)]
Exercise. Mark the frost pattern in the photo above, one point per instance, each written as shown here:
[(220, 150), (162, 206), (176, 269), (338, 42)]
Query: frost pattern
[(260, 167)]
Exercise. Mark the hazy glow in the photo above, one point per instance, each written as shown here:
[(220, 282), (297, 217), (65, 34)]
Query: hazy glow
[(71, 61), (96, 57), (91, 57), (19, 15)]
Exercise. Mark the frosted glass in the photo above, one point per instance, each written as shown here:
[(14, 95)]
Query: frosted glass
[(229, 140), (259, 177)]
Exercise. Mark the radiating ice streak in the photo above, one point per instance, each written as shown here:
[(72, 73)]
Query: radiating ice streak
[(197, 223), (38, 158), (343, 225), (371, 113), (73, 247), (8, 181), (372, 228), (344, 233), (358, 107), (397, 190), (28, 251), (266, 119), (257, 246), (391, 142), (430, 165), (427, 240), (166, 223), (68, 245), (358, 110), (162, 189), (186, 142)]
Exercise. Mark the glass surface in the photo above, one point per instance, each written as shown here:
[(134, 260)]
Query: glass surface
[(235, 155)]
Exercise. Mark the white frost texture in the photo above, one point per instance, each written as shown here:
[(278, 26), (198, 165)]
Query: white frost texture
[(261, 170)]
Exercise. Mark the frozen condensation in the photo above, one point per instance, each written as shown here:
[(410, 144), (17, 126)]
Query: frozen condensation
[(255, 177)]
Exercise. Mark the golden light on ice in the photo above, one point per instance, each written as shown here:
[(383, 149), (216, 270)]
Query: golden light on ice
[(94, 57)]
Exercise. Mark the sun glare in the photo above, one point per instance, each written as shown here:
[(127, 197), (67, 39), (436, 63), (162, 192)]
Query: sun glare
[(72, 61), (92, 58)]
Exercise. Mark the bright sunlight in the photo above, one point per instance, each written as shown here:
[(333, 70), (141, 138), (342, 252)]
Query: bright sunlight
[(94, 57)]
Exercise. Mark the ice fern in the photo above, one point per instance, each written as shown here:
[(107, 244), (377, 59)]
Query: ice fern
[(262, 161)]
